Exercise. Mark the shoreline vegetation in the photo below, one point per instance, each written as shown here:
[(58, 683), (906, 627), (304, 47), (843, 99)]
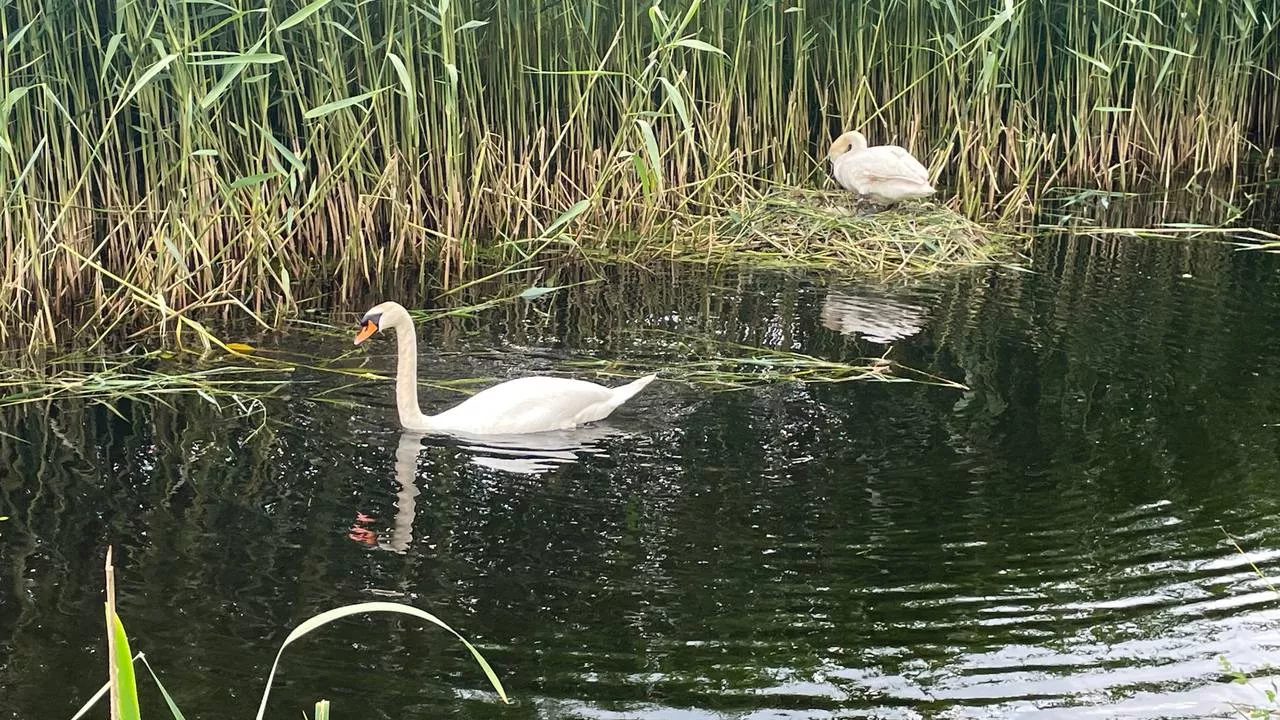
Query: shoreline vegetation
[(162, 163)]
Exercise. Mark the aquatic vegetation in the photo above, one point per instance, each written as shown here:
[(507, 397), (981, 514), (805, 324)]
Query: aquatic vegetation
[(122, 686), (163, 163), (730, 365), (119, 377), (826, 229)]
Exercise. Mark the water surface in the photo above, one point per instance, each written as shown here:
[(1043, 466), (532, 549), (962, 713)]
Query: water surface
[(1051, 541)]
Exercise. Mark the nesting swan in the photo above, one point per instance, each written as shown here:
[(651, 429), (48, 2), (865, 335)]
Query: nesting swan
[(886, 174), (523, 405)]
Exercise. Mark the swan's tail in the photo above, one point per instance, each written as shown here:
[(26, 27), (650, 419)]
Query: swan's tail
[(624, 393)]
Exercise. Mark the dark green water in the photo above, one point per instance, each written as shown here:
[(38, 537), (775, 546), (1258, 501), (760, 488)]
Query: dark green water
[(1051, 540)]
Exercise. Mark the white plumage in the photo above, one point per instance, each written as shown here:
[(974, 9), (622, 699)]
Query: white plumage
[(886, 174), (523, 405)]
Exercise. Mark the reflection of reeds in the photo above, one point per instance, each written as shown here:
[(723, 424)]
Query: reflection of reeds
[(221, 160)]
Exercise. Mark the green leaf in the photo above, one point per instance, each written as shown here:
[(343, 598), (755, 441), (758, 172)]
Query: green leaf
[(122, 660), (17, 36), (406, 85), (151, 72), (204, 152), (228, 77), (696, 44), (567, 216), (658, 19), (536, 292), (250, 180), (1152, 46), (11, 100), (31, 161), (343, 29), (298, 166), (1091, 60), (650, 144), (688, 16), (113, 45), (677, 101), (303, 13), (468, 25), (173, 707), (102, 692), (336, 105), (249, 59), (329, 616)]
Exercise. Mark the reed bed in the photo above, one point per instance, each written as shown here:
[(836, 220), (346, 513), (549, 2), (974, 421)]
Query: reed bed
[(193, 158)]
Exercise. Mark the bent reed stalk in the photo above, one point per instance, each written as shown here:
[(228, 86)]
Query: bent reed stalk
[(193, 157)]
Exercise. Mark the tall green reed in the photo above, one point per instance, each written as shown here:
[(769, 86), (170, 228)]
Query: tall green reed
[(193, 157)]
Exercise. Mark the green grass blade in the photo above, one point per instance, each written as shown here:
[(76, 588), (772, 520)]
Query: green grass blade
[(251, 180), (303, 13), (247, 58), (17, 37), (677, 101), (325, 109), (406, 84), (124, 672), (696, 44), (173, 707), (151, 72), (112, 46), (650, 145), (228, 77), (329, 616), (93, 701), (567, 216)]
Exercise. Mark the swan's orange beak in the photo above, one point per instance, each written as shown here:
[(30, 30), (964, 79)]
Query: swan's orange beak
[(366, 331)]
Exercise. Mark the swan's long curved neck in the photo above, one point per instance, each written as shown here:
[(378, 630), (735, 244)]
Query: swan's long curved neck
[(407, 378), (851, 141)]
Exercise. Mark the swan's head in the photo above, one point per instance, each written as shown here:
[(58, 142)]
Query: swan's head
[(850, 141), (386, 315)]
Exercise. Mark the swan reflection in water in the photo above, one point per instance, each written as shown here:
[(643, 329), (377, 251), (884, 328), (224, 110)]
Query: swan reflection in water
[(525, 454), (878, 318)]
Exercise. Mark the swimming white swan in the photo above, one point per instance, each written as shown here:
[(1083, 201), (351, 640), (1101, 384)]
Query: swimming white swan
[(523, 405), (886, 174)]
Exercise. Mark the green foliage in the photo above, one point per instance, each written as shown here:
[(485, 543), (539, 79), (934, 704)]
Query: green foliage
[(122, 663), (186, 159)]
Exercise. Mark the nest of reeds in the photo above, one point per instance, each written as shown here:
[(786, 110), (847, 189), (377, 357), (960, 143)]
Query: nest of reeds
[(833, 229)]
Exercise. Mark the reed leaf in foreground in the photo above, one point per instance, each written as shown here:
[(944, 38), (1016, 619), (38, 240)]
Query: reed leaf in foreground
[(329, 616), (122, 688)]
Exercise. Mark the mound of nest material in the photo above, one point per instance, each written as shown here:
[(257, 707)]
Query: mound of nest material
[(829, 228)]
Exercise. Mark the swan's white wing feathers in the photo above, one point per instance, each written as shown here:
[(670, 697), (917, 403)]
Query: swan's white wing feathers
[(886, 173), (534, 404)]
